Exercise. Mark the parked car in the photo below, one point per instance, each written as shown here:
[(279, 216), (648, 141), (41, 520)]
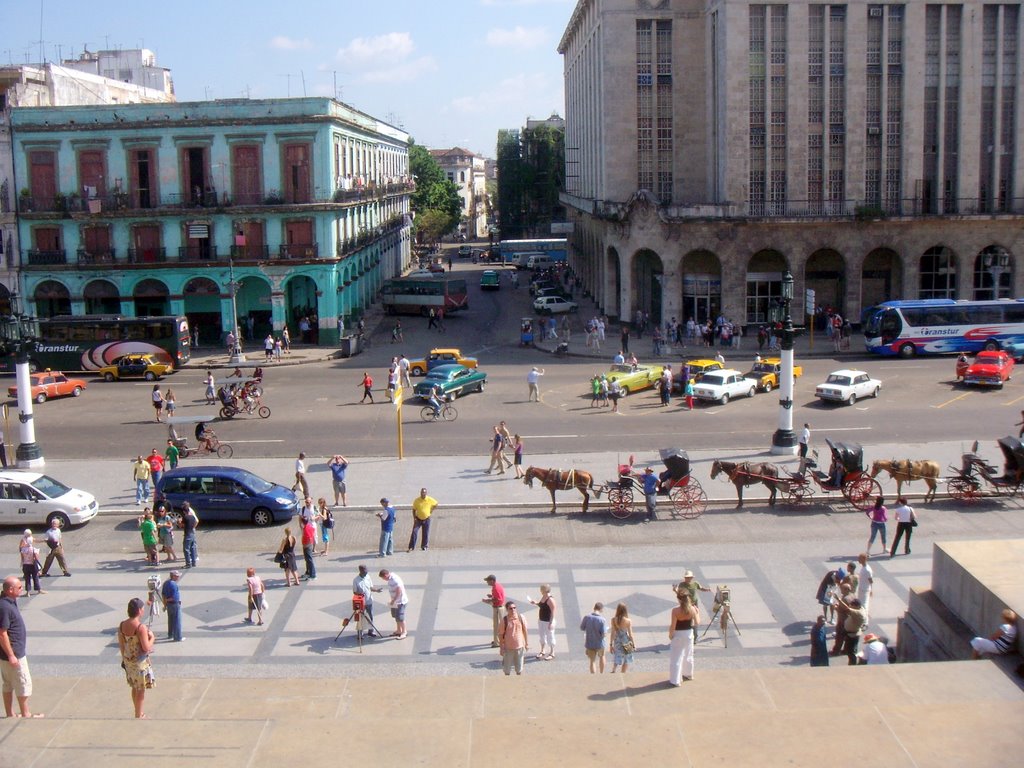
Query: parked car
[(698, 367), (990, 369), (721, 386), (766, 373), (51, 384), (454, 380), (551, 305), (30, 498), (634, 379), (135, 365), (225, 494), (846, 386), (490, 280), (465, 251), (436, 267), (552, 291), (440, 356)]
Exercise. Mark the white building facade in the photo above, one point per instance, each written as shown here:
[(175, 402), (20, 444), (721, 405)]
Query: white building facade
[(872, 149), (468, 171)]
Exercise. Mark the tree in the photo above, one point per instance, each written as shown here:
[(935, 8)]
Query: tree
[(431, 225), (434, 194), (530, 176)]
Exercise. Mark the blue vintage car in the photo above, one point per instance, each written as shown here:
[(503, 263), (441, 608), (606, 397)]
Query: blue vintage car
[(454, 380)]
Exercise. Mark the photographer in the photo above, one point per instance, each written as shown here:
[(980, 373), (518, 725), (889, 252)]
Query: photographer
[(854, 624), (363, 585)]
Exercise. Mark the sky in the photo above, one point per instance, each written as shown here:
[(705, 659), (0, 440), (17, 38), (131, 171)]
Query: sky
[(450, 72)]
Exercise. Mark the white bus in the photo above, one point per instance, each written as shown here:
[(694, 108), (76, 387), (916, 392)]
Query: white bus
[(941, 326)]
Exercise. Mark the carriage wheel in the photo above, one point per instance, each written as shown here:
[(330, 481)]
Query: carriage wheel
[(963, 489), (689, 501), (799, 494), (862, 492), (620, 502)]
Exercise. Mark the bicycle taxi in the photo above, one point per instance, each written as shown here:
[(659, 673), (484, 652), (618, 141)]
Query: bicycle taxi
[(206, 441)]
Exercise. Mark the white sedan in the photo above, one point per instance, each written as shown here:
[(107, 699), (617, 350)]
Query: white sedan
[(720, 386), (29, 498), (846, 386)]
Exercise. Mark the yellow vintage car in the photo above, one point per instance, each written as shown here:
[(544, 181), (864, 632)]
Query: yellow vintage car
[(767, 373), (634, 379), (698, 367), (135, 365), (440, 356)]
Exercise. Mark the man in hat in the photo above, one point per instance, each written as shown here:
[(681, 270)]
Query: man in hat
[(30, 562), (873, 650), (171, 595), (650, 481), (691, 585), (496, 599)]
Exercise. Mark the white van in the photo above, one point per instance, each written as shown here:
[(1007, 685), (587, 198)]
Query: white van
[(540, 261), (520, 258)]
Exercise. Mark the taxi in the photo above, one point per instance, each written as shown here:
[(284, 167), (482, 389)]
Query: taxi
[(698, 367), (51, 384), (766, 373), (634, 378), (440, 356), (136, 365)]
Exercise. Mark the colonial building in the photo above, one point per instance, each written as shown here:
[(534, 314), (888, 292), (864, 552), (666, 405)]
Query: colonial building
[(149, 209), (872, 149), (466, 170), (48, 85)]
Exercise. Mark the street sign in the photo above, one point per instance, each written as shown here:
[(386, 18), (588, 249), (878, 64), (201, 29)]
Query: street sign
[(810, 301)]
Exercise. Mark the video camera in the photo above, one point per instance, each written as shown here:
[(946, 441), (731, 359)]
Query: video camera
[(358, 603), (723, 596)]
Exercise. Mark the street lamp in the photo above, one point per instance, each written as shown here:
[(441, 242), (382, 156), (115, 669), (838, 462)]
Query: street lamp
[(236, 350), (784, 440), (18, 334)]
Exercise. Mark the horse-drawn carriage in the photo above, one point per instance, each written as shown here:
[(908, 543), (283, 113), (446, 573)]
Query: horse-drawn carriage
[(976, 478), (684, 490), (846, 474)]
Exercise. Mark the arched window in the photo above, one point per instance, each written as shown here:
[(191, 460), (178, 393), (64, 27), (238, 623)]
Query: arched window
[(937, 274), (993, 274)]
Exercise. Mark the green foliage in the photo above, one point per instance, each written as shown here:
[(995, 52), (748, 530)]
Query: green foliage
[(436, 200), (530, 177)]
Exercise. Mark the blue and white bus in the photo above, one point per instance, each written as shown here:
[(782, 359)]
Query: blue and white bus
[(941, 326), (515, 251)]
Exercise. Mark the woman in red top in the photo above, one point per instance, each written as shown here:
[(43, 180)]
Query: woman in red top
[(367, 384)]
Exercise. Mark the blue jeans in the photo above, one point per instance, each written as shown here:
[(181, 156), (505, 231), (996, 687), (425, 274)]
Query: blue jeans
[(387, 543), (174, 621), (307, 555), (877, 528), (141, 490), (191, 552)]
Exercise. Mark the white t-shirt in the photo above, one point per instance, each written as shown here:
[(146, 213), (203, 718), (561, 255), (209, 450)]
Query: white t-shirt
[(396, 588), (903, 513), (864, 578), (300, 466), (875, 652), (534, 376)]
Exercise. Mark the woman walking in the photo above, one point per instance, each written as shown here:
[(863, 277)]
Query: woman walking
[(255, 601), (211, 394), (158, 402), (545, 621), (879, 515), (169, 402), (165, 530), (287, 552), (684, 618), (325, 518), (135, 641), (517, 448), (622, 643)]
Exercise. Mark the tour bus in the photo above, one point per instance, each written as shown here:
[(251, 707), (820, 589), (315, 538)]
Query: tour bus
[(938, 326), (556, 249), (416, 295), (89, 342)]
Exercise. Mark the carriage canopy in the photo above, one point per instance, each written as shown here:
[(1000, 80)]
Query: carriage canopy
[(850, 455), (1013, 451), (676, 462)]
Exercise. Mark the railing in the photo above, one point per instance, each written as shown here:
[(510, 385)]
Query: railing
[(197, 253), (40, 258), (292, 251), (96, 258), (147, 255), (250, 252)]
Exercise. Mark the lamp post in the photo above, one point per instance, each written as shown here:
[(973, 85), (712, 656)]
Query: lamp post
[(236, 350), (784, 441), (19, 334)]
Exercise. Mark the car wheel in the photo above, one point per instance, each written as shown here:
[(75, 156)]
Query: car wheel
[(41, 398), (852, 399), (480, 388), (767, 386), (751, 392), (108, 376), (725, 399), (261, 517), (991, 345), (76, 392), (63, 521), (417, 371), (908, 350), (875, 393), (150, 376)]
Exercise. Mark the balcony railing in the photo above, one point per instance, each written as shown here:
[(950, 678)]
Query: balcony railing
[(147, 255), (94, 258), (197, 253), (292, 251), (250, 252), (41, 258)]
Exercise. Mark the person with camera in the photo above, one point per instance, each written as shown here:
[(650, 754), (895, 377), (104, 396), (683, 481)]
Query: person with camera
[(362, 585), (854, 624), (513, 640)]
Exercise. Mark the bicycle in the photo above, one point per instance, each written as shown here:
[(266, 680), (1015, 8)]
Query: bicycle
[(447, 413)]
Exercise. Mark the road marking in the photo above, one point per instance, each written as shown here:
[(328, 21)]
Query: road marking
[(547, 437), (1015, 400), (958, 397), (255, 441)]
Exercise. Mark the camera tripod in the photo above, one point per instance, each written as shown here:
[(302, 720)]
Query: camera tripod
[(723, 610), (358, 615)]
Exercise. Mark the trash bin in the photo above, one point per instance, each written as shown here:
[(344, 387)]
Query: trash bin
[(349, 346)]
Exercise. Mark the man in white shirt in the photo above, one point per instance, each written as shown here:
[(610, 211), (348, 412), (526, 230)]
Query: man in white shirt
[(399, 600), (873, 650), (403, 369), (300, 475), (362, 584), (532, 379), (865, 582), (805, 443), (53, 541), (904, 514)]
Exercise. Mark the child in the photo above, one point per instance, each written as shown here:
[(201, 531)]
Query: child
[(255, 602)]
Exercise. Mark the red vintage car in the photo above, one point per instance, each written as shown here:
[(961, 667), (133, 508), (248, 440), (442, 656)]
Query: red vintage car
[(51, 384), (989, 369)]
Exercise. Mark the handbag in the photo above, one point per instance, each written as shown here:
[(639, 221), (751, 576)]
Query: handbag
[(913, 523), (279, 558), (628, 647)]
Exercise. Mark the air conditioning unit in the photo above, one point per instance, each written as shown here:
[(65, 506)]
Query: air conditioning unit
[(875, 11), (874, 130)]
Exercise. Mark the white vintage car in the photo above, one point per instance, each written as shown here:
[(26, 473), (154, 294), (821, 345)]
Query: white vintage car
[(846, 386), (720, 386)]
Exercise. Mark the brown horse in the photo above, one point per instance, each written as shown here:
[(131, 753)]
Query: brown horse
[(745, 473), (563, 480), (906, 471)]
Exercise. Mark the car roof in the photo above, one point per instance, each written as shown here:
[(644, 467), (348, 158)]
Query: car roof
[(702, 361), (213, 469), (444, 370), (847, 372), (445, 350), (726, 371), (17, 475)]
